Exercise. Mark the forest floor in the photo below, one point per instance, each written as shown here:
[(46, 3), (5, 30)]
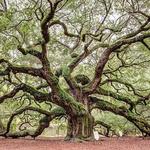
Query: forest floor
[(125, 143)]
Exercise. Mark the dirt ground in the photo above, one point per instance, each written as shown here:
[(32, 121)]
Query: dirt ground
[(55, 144)]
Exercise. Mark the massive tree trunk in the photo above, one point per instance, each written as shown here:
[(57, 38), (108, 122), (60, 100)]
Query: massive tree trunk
[(80, 128)]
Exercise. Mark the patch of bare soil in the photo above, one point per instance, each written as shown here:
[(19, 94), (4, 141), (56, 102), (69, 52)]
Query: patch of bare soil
[(126, 143)]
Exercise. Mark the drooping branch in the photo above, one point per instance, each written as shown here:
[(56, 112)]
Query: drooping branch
[(39, 96), (43, 123), (19, 69), (139, 122), (116, 96), (140, 100), (61, 98)]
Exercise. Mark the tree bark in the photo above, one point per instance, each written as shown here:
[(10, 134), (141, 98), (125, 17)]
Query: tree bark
[(80, 128), (1, 126)]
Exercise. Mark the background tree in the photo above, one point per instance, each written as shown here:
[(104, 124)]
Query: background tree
[(67, 58)]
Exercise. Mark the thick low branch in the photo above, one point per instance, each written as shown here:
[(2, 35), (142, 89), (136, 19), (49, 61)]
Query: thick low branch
[(127, 100), (116, 96), (139, 122), (39, 96), (61, 98), (18, 69), (43, 123)]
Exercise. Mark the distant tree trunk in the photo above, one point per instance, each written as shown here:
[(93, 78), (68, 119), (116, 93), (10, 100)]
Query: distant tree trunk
[(1, 126)]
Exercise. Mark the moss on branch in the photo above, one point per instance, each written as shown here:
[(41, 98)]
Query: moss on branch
[(138, 121), (43, 122)]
